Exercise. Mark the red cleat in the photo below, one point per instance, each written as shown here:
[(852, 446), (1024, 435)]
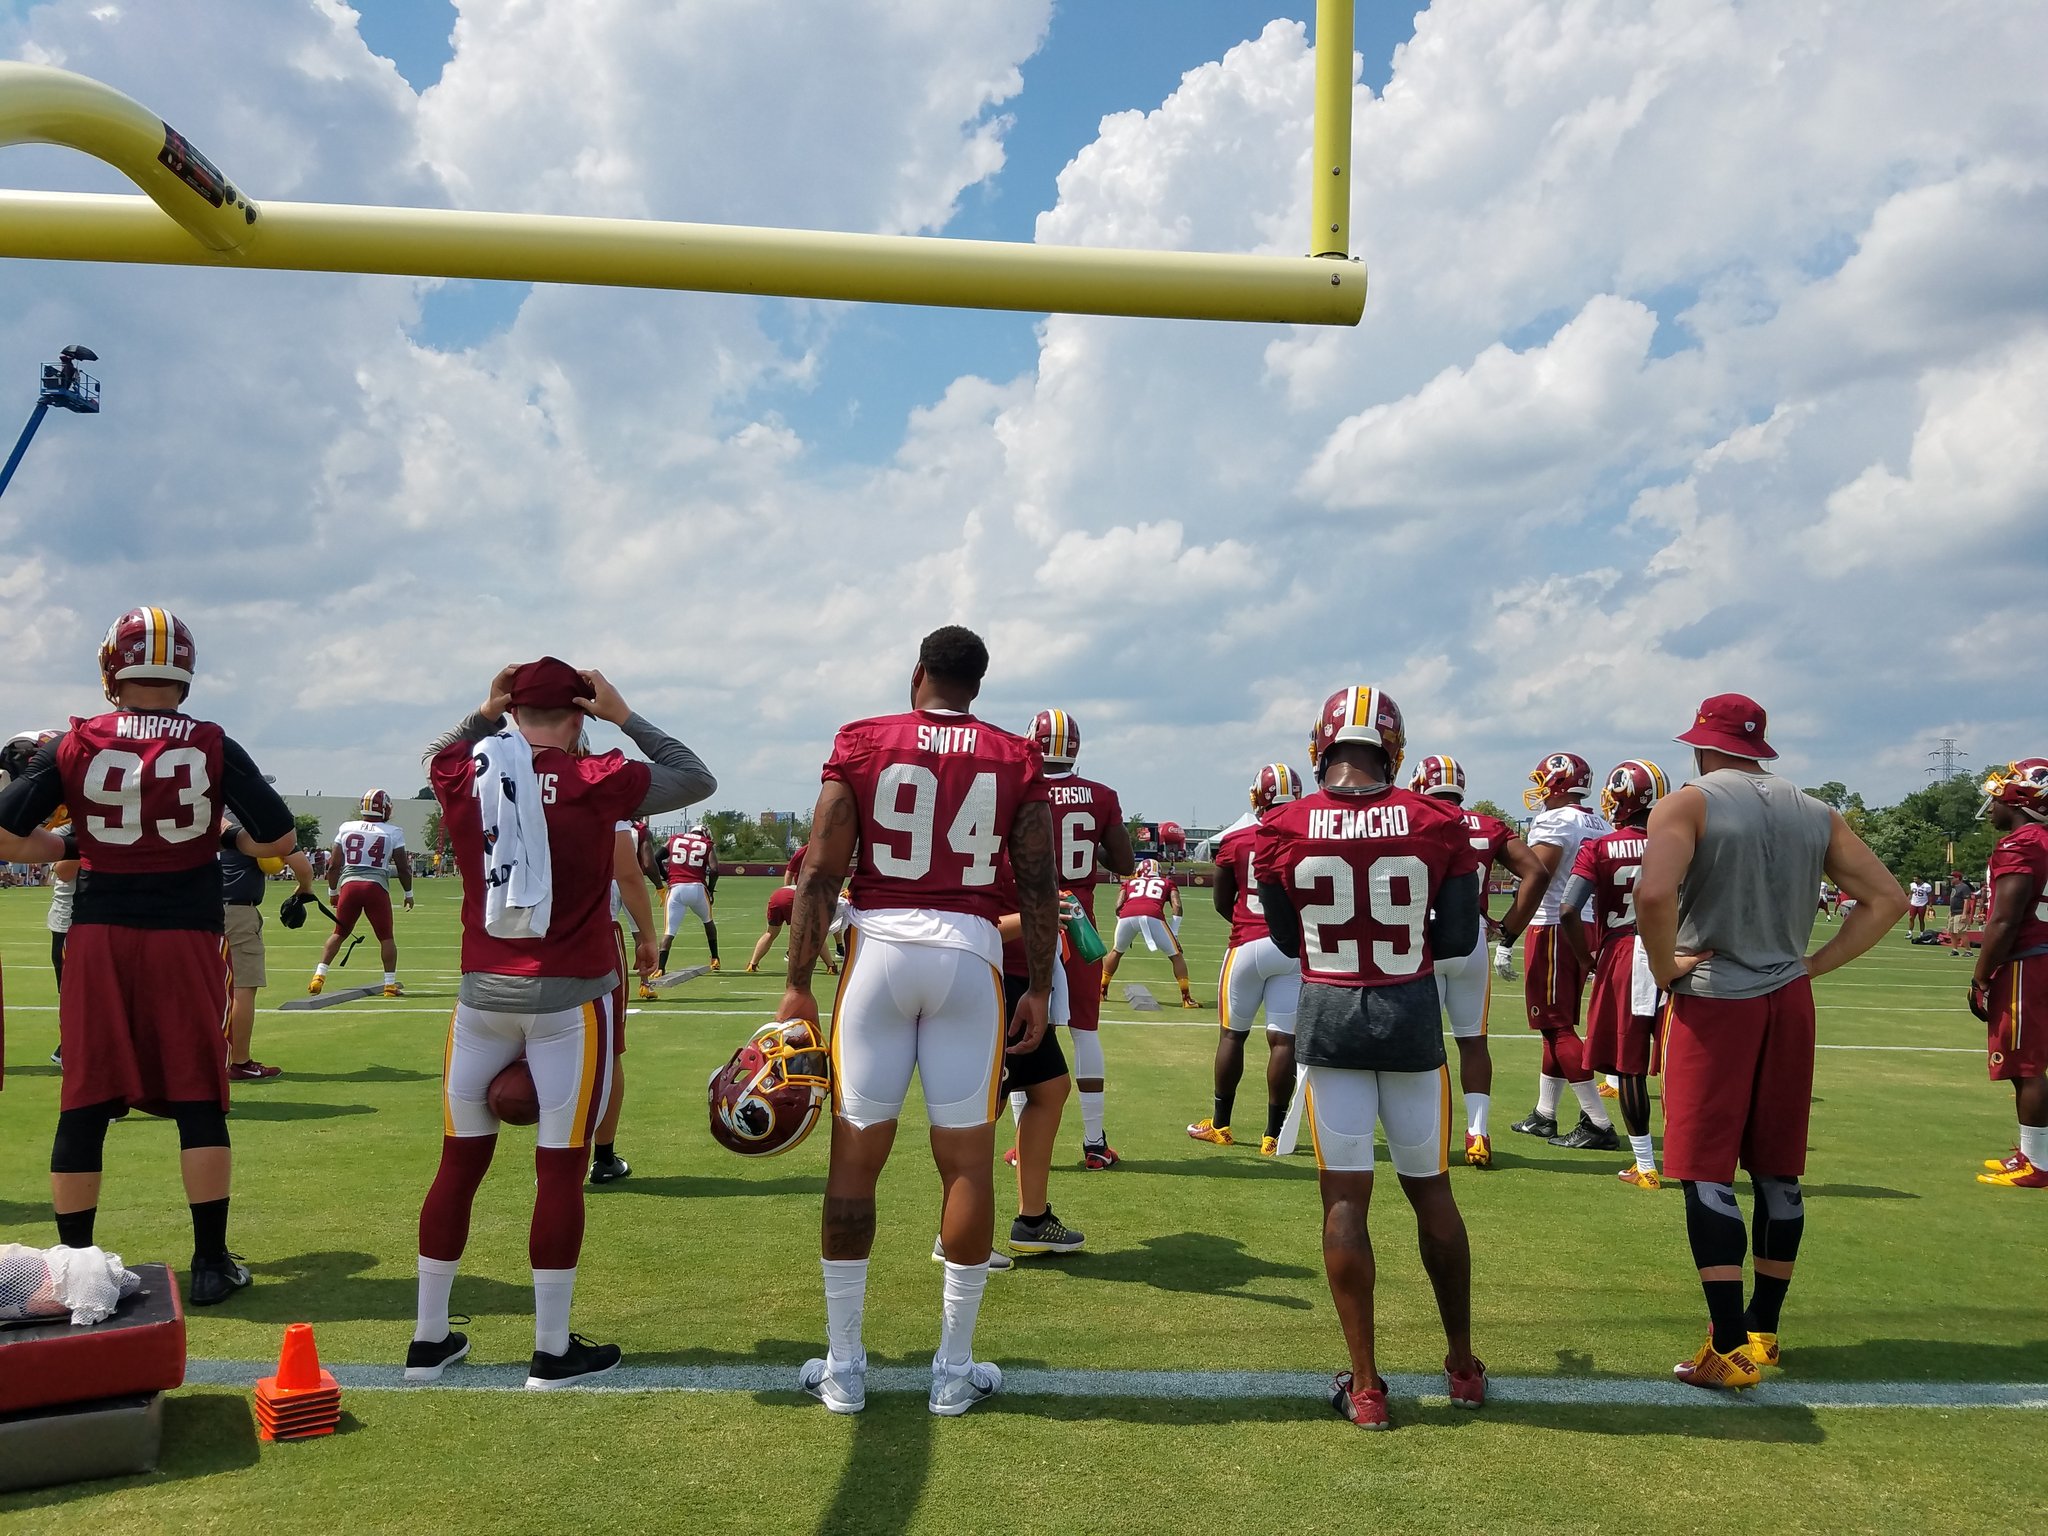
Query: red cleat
[(1366, 1407), (1468, 1388), (1010, 1157)]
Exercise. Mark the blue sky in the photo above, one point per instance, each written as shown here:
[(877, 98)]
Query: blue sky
[(1706, 350)]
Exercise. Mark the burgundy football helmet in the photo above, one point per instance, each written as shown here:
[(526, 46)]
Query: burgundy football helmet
[(1632, 789), (1561, 773), (377, 805), (148, 645), (768, 1097), (2023, 785), (1058, 737), (1439, 775), (1276, 784), (1364, 714)]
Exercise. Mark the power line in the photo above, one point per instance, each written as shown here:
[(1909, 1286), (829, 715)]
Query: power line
[(1949, 758)]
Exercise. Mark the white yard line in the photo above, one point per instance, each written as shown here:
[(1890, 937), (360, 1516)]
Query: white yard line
[(1207, 1386)]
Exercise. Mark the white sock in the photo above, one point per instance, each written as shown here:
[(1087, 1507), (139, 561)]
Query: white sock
[(320, 969), (846, 1298), (1588, 1094), (1646, 1157), (964, 1286), (1548, 1090), (1017, 1102), (437, 1280), (552, 1292), (391, 980), (2034, 1144), (1477, 1107), (1091, 1115), (1614, 1082)]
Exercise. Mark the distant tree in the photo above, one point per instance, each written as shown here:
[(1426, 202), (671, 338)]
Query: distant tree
[(1837, 794), (433, 832), (425, 792), (1488, 808), (306, 830)]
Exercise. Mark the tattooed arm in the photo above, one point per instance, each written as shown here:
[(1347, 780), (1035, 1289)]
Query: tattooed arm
[(834, 829), (1038, 904)]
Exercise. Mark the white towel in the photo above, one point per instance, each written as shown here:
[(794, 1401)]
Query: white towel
[(519, 880), (1642, 986)]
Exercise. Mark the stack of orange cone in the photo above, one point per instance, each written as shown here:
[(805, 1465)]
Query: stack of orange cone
[(301, 1400)]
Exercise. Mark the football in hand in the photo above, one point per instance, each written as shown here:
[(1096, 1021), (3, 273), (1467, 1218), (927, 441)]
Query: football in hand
[(512, 1097)]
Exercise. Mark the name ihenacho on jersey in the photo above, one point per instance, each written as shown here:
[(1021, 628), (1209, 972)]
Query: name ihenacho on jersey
[(1369, 821)]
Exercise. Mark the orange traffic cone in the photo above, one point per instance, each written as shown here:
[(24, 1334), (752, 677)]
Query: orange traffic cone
[(301, 1400)]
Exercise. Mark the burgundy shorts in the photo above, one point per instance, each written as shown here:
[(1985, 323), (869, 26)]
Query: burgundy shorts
[(1553, 980), (367, 899), (143, 1016), (2019, 1020), (1084, 989), (780, 904), (1738, 1084), (1617, 1040)]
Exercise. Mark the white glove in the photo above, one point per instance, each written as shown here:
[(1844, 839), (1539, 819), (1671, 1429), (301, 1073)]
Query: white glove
[(1176, 925), (1504, 961)]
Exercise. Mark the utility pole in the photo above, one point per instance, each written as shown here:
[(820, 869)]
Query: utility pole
[(1948, 759)]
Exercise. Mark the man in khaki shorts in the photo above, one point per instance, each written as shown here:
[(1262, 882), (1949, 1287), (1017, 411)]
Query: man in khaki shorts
[(242, 881)]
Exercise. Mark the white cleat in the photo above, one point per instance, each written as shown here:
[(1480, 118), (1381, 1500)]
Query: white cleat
[(841, 1388), (953, 1394)]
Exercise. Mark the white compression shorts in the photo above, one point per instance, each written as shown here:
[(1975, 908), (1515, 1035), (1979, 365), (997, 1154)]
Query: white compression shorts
[(932, 1009), (688, 897), (568, 1052), (1152, 930), (1465, 988), (1256, 975), (1415, 1108)]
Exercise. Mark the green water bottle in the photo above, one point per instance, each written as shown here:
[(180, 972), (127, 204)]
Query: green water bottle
[(1088, 945)]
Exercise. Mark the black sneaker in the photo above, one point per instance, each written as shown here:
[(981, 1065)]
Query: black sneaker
[(612, 1168), (426, 1362), (1048, 1234), (1587, 1137), (575, 1365), (214, 1280), (1538, 1124)]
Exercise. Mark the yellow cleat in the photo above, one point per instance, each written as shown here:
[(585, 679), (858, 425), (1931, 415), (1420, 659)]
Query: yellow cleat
[(1208, 1130), (313, 987), (1641, 1178), (647, 993), (1269, 1146), (1608, 1090), (1763, 1348), (714, 965), (1718, 1372), (393, 989), (2012, 1163), (1478, 1151), (752, 969), (1188, 1002), (2026, 1176)]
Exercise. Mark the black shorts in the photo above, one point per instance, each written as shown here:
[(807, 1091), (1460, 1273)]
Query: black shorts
[(1040, 1066), (1393, 1028)]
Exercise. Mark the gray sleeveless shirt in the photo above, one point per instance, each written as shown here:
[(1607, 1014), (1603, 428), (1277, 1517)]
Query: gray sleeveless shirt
[(1748, 895)]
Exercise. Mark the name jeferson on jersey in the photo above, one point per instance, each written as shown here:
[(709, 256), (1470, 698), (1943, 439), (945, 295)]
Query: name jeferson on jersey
[(1370, 821)]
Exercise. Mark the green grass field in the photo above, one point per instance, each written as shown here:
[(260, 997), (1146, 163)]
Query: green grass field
[(1199, 1259)]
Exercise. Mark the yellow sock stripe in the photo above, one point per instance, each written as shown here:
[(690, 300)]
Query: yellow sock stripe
[(447, 1062), (1308, 1113), (586, 1090), (1223, 988)]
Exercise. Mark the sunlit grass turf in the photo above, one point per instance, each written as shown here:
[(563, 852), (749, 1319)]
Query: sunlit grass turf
[(1198, 1258)]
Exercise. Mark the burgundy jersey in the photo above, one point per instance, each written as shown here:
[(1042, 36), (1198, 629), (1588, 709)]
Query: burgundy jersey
[(1144, 896), (1364, 870), (689, 858), (796, 864), (935, 794), (1489, 835), (2024, 851), (1611, 863), (584, 799), (146, 790), (1082, 811), (1234, 853)]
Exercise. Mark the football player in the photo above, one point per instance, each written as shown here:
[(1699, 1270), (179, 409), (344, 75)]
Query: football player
[(692, 862), (1256, 974), (241, 882), (933, 798), (547, 997), (1141, 913), (1367, 883), (365, 855), (1464, 984), (1556, 980), (2009, 988), (1621, 1017), (1094, 844), (19, 751), (146, 986), (1729, 864), (781, 904)]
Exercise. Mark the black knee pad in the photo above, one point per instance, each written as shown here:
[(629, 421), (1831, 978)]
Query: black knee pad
[(1779, 1218), (1713, 1223), (81, 1138), (200, 1124)]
